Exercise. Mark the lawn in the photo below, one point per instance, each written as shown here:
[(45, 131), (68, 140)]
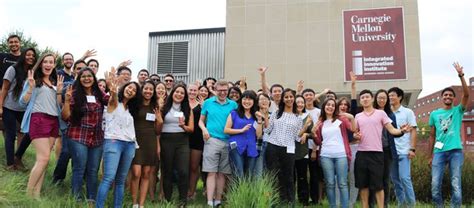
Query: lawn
[(13, 186)]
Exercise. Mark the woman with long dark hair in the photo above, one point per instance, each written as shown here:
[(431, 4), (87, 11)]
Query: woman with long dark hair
[(335, 155), (283, 129), (263, 107), (244, 126), (178, 121), (146, 157), (83, 109), (42, 96), (11, 111), (120, 139)]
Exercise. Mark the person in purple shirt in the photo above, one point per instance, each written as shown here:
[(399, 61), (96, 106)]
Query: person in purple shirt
[(244, 126)]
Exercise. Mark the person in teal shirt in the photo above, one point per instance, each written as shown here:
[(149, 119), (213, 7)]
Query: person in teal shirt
[(445, 143), (215, 155)]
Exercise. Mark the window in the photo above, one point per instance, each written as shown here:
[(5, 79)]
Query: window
[(419, 115), (418, 105), (424, 114), (468, 130), (428, 101), (433, 100), (173, 57), (437, 98), (423, 103)]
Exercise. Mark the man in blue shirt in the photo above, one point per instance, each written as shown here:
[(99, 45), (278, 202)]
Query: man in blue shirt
[(214, 113)]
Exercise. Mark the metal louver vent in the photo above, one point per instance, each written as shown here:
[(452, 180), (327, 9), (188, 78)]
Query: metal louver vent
[(173, 57)]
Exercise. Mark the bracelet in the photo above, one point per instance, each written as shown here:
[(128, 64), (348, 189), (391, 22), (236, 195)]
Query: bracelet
[(461, 75), (29, 92), (58, 93)]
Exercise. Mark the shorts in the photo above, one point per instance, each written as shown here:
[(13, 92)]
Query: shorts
[(43, 126), (368, 170), (215, 157)]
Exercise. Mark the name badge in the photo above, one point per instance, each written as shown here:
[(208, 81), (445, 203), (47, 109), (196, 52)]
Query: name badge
[(90, 99), (439, 145), (178, 114), (233, 145), (150, 117), (290, 149)]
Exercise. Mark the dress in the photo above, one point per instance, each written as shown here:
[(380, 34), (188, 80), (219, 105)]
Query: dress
[(146, 138), (195, 139)]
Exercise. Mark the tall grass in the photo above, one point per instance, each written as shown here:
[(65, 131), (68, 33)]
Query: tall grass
[(253, 192)]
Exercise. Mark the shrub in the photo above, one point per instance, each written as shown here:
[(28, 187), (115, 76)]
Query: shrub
[(421, 178), (253, 192)]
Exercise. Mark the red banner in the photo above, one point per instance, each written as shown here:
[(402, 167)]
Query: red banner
[(374, 44)]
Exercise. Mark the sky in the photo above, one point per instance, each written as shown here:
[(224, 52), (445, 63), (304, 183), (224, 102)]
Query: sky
[(119, 30)]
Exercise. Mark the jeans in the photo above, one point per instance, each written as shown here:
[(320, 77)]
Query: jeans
[(10, 119), (336, 167), (353, 191), (241, 164), (454, 158), (84, 158), (282, 163), (61, 166), (118, 156), (401, 178), (260, 160)]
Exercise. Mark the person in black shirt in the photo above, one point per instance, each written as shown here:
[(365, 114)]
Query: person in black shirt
[(10, 58)]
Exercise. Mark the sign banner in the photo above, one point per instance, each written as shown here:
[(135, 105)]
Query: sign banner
[(374, 44)]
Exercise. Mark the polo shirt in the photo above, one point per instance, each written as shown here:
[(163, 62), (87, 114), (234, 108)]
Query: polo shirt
[(216, 116)]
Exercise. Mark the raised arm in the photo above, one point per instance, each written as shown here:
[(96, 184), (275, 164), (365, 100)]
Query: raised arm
[(353, 94), (465, 88), (243, 82), (28, 88), (299, 87), (113, 100), (262, 70), (66, 111), (88, 54)]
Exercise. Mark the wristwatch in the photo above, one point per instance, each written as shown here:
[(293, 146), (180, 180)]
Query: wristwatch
[(413, 150)]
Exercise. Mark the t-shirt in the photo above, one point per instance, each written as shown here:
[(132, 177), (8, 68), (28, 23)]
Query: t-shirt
[(10, 101), (448, 127), (404, 116), (6, 60), (46, 101), (68, 79), (370, 127), (315, 112), (216, 116), (332, 144)]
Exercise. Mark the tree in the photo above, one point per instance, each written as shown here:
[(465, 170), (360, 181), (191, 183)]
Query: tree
[(28, 42)]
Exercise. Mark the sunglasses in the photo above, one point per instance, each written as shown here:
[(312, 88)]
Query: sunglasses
[(168, 80)]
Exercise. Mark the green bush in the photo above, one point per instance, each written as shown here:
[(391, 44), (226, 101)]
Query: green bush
[(252, 192), (421, 178)]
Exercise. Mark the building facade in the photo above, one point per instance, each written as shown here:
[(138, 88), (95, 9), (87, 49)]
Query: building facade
[(189, 55), (304, 40)]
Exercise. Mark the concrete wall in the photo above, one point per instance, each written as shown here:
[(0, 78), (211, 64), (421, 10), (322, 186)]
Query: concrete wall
[(303, 39)]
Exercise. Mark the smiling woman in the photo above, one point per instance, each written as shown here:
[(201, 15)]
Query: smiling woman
[(83, 109)]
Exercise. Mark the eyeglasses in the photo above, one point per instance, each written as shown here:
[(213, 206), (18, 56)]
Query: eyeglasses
[(221, 91), (168, 80), (155, 80)]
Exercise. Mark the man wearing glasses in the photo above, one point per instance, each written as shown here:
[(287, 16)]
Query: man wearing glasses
[(169, 82), (214, 114)]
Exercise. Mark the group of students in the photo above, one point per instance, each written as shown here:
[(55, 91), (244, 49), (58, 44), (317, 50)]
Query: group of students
[(136, 129)]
